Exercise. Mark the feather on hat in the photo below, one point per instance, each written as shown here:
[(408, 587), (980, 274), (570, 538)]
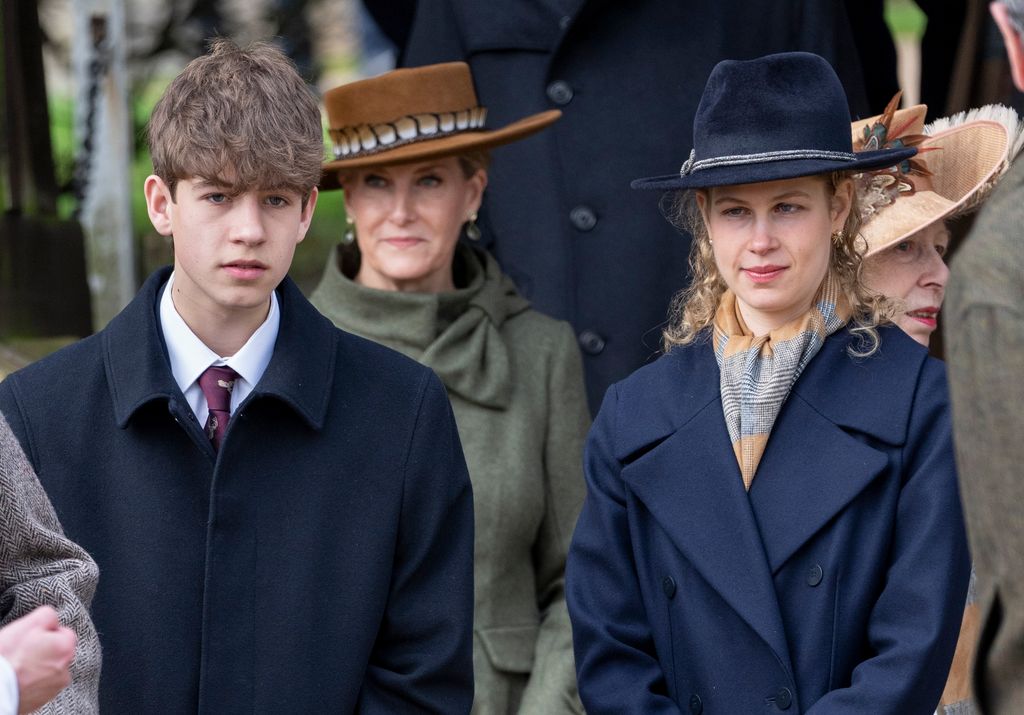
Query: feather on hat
[(960, 159)]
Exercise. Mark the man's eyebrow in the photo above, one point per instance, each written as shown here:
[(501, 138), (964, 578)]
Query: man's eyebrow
[(213, 184)]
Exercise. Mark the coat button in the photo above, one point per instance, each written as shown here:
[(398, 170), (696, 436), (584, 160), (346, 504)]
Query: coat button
[(591, 342), (783, 699), (696, 706), (814, 575), (560, 92), (668, 585), (564, 22), (583, 218)]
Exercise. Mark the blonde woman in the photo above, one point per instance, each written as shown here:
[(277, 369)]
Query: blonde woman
[(772, 521), (411, 155)]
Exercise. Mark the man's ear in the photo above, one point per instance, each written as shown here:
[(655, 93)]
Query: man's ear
[(1012, 40), (159, 204)]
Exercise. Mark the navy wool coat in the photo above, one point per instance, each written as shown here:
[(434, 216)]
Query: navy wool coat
[(320, 562), (835, 586), (559, 213)]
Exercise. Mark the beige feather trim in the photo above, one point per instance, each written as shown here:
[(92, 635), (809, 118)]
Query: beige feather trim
[(991, 113)]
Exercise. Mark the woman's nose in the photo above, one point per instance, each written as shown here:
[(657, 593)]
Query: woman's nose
[(936, 273), (403, 207)]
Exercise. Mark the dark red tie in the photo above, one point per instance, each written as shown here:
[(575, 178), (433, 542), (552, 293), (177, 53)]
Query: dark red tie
[(216, 384)]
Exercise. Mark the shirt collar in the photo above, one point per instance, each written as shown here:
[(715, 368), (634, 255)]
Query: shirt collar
[(190, 356)]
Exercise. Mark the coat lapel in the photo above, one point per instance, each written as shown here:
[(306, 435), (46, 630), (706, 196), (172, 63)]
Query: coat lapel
[(810, 471), (302, 368), (138, 370), (814, 466), (691, 485)]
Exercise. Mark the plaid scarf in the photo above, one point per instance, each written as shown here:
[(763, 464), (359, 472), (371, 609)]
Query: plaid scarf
[(757, 372)]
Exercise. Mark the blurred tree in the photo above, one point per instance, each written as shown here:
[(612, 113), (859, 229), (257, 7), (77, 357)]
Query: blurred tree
[(42, 262)]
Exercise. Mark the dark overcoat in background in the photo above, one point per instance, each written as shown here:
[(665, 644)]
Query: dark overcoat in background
[(559, 213), (835, 586), (320, 562)]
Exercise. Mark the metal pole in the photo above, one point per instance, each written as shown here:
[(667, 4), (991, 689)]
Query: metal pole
[(104, 133)]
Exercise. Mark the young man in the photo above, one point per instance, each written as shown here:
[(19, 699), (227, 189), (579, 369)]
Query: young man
[(280, 511)]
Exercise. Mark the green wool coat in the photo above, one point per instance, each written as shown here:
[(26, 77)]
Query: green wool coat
[(515, 381)]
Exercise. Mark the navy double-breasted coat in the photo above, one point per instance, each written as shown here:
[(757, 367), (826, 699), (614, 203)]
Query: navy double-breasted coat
[(835, 586), (321, 561)]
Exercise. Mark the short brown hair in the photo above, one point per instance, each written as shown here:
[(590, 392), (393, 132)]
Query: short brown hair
[(241, 117)]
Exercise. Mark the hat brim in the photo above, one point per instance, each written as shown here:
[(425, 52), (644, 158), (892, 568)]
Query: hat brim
[(435, 148), (776, 170), (965, 160)]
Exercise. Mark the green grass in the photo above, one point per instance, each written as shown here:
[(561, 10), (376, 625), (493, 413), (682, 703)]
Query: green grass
[(905, 18)]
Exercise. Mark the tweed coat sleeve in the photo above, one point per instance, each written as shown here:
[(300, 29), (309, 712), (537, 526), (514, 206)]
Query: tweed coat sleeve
[(422, 661), (619, 672), (40, 566), (985, 358), (552, 685)]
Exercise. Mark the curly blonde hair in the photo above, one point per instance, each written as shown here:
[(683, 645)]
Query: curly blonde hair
[(692, 310)]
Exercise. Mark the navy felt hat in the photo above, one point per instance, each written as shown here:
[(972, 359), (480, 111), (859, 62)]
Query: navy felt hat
[(777, 117)]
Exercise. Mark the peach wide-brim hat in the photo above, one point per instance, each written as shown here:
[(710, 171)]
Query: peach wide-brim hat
[(965, 160), (413, 114)]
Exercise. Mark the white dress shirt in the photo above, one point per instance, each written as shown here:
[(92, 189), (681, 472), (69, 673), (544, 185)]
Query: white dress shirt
[(190, 356), (8, 688)]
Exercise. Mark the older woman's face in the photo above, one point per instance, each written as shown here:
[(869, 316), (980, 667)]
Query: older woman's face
[(914, 273), (407, 220), (771, 243)]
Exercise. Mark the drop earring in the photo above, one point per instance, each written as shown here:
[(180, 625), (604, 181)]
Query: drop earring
[(349, 237), (472, 230), (837, 238)]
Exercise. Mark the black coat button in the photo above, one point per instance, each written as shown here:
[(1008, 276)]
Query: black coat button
[(696, 706), (783, 699), (591, 342), (564, 22), (668, 585), (560, 92), (583, 218), (814, 575)]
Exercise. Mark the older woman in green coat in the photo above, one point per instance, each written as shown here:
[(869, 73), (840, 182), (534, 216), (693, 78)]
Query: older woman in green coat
[(410, 153)]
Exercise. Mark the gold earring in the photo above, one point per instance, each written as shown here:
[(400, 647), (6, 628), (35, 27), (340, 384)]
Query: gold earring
[(837, 238), (472, 230), (349, 237)]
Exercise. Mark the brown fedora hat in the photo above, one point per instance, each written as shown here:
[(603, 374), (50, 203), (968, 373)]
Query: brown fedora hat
[(959, 160), (410, 115)]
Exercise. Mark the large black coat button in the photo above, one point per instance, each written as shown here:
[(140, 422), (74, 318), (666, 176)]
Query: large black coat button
[(560, 92), (814, 575), (668, 585), (696, 706), (583, 218), (783, 699), (591, 342)]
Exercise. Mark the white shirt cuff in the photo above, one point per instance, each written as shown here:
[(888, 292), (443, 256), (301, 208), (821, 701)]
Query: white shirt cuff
[(8, 688)]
